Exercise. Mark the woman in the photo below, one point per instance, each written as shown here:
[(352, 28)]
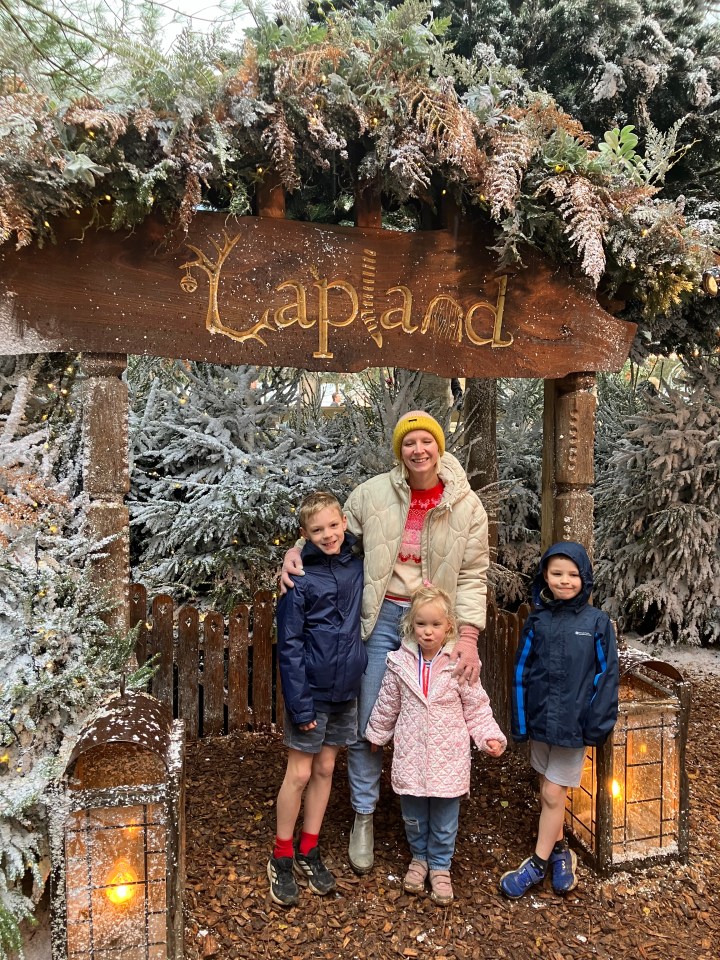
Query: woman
[(419, 522)]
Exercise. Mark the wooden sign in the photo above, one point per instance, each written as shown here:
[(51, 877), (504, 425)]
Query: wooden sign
[(285, 293)]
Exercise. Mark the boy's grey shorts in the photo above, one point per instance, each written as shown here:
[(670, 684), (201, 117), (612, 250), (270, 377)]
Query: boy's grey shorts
[(561, 765), (333, 730)]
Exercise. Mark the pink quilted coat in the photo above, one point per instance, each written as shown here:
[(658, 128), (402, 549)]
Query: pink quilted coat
[(431, 753)]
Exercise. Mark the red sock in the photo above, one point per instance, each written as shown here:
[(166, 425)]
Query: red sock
[(308, 841), (283, 848)]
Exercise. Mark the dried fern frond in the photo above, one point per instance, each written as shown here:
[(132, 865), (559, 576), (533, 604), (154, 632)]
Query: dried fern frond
[(542, 117), (95, 118), (446, 125), (246, 78), (14, 218), (278, 140), (143, 120), (190, 201), (508, 157), (298, 71), (410, 167), (21, 105), (584, 213)]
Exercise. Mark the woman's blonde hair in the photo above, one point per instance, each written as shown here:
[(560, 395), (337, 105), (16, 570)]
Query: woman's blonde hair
[(428, 593)]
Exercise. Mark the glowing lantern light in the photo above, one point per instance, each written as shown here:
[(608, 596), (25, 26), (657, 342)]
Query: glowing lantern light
[(117, 835), (121, 883), (632, 806)]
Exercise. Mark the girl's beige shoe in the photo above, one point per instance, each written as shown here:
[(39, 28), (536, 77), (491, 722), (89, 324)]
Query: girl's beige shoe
[(442, 891), (414, 881)]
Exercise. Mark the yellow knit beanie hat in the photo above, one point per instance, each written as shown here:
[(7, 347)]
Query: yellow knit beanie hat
[(417, 420)]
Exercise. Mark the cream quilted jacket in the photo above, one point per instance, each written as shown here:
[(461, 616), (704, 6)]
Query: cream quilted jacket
[(431, 751), (454, 540)]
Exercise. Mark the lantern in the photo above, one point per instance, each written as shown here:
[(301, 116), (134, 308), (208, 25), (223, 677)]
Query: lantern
[(632, 806), (117, 832)]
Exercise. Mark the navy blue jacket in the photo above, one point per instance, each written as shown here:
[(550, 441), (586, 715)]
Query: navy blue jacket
[(320, 650), (565, 681)]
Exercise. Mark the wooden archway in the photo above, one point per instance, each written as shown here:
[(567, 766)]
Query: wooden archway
[(269, 291)]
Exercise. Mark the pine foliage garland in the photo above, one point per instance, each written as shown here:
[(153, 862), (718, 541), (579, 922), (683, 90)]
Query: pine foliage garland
[(369, 94)]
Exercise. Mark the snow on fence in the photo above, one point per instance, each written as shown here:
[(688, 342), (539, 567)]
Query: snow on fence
[(219, 674)]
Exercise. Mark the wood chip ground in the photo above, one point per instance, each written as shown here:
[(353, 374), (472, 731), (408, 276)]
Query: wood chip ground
[(668, 911)]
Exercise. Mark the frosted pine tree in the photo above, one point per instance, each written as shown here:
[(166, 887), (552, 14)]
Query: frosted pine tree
[(222, 456), (658, 509), (57, 657)]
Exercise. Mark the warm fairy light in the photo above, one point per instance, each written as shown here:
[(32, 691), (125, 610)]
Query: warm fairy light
[(121, 883), (615, 788), (643, 748)]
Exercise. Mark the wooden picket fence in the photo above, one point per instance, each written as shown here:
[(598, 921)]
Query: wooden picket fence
[(219, 674)]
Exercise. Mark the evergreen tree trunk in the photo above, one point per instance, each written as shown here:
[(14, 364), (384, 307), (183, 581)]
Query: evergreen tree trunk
[(480, 416)]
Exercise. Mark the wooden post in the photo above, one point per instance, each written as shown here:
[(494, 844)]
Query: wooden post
[(368, 205), (480, 426), (270, 196), (106, 478), (573, 443)]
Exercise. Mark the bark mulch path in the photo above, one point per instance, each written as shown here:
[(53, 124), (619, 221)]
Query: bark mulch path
[(662, 912)]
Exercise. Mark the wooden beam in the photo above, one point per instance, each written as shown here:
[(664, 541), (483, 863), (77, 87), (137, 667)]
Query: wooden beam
[(368, 206), (547, 511), (279, 292), (575, 403), (106, 478), (270, 197)]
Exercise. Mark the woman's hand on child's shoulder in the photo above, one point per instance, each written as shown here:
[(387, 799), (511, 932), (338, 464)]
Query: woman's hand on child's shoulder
[(494, 748), (292, 567)]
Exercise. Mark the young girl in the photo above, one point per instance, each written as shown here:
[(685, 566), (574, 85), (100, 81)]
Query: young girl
[(432, 717)]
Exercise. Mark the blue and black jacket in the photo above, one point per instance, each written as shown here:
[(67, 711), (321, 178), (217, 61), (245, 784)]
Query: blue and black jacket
[(320, 650), (565, 680)]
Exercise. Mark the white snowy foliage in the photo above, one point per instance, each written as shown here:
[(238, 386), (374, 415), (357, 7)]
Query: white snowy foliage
[(658, 508), (224, 455), (57, 658)]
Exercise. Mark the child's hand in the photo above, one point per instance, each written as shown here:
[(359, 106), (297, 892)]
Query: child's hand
[(307, 726), (494, 748)]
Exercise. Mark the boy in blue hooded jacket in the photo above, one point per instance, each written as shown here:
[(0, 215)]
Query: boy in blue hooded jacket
[(565, 697), (321, 658)]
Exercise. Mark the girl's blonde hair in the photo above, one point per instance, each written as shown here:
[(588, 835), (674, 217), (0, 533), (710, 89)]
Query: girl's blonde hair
[(428, 593)]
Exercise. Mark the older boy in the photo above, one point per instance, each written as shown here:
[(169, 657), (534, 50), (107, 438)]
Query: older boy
[(322, 658)]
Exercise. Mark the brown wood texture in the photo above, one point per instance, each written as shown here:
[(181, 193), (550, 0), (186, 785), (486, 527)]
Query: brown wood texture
[(547, 517), (238, 643), (497, 646), (106, 519), (284, 293), (213, 675), (137, 599), (188, 667), (105, 432), (262, 671), (162, 646)]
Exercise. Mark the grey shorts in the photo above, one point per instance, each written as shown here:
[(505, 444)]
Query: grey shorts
[(332, 730), (560, 765)]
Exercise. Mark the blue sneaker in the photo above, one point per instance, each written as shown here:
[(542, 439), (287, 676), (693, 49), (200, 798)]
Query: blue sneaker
[(562, 870), (515, 883)]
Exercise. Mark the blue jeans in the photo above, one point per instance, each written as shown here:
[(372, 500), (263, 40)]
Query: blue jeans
[(365, 767), (431, 825)]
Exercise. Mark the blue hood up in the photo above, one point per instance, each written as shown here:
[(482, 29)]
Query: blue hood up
[(578, 554)]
